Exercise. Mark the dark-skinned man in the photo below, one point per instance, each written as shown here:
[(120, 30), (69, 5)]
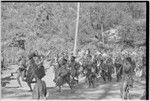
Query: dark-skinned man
[(110, 67), (38, 72), (33, 69), (127, 78), (90, 76), (21, 71), (143, 97), (62, 74), (119, 68), (74, 66)]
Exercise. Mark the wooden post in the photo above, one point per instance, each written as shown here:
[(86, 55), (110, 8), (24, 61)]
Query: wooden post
[(102, 33), (76, 32)]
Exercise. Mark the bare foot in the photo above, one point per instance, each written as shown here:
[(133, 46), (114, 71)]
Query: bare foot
[(30, 90), (20, 87), (59, 90)]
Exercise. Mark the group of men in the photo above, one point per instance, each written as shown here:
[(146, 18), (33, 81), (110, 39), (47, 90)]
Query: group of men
[(73, 69), (124, 69), (91, 68), (68, 71)]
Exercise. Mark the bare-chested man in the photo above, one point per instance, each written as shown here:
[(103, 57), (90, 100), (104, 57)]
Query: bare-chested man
[(21, 71)]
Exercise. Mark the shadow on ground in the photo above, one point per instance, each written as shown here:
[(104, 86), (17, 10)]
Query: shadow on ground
[(13, 92), (82, 91), (101, 90), (6, 80)]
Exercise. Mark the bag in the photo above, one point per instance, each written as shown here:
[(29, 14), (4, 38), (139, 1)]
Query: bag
[(40, 72)]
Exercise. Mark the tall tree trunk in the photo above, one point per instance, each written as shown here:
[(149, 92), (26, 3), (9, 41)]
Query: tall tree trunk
[(102, 33), (76, 33)]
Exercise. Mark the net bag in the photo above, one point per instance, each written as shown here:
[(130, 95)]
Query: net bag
[(40, 72)]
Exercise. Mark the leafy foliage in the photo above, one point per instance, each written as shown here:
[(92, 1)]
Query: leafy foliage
[(51, 26)]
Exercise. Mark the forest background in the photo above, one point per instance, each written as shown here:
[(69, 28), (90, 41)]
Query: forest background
[(107, 27)]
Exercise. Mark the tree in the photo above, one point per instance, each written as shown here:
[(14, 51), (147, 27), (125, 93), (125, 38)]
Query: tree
[(104, 16), (50, 26), (75, 44)]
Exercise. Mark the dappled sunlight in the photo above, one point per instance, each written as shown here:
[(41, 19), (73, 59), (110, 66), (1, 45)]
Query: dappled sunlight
[(73, 50)]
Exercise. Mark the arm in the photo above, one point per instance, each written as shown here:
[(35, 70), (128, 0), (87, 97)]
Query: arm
[(57, 60)]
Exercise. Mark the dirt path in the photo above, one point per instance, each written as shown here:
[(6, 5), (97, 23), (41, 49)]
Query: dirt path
[(102, 90)]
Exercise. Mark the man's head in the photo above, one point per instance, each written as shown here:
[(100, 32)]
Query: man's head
[(102, 60), (95, 59), (19, 59), (64, 61), (88, 51), (73, 58), (34, 54), (129, 59)]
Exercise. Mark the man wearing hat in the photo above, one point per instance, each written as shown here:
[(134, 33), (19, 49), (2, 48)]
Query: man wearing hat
[(36, 71), (32, 71)]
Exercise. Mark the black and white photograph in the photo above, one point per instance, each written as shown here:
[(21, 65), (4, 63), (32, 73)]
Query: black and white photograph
[(63, 50)]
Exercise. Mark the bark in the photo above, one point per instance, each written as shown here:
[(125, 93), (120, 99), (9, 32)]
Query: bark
[(76, 33), (102, 33)]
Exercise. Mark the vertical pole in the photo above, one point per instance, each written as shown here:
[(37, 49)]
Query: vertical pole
[(102, 33), (76, 32)]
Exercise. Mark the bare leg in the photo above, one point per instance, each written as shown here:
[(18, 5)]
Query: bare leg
[(70, 85), (45, 90), (29, 84), (23, 76), (18, 78), (29, 81), (93, 81), (117, 77), (59, 89), (35, 93), (89, 81), (77, 79)]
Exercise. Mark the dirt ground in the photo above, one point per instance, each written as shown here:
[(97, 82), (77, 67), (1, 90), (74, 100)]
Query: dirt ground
[(102, 90)]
